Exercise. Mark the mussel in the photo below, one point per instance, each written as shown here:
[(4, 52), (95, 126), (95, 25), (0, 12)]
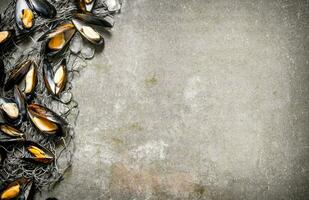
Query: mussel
[(43, 8), (17, 74), (9, 109), (5, 36), (23, 15), (20, 189), (46, 120), (88, 32), (55, 81), (29, 82), (13, 111), (58, 38), (37, 153), (86, 5), (10, 134), (24, 74), (106, 21)]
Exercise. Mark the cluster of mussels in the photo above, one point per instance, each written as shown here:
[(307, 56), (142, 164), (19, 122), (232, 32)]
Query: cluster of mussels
[(38, 60)]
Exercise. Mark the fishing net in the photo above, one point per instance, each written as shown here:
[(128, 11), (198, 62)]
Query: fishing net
[(25, 46)]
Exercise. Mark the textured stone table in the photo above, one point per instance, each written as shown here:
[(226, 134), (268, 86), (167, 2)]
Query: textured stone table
[(203, 99)]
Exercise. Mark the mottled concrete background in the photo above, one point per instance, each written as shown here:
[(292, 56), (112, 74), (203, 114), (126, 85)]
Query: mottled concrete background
[(200, 99)]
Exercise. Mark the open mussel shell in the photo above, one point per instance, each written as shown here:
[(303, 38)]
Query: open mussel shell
[(9, 109), (43, 8), (24, 75), (55, 81), (88, 32), (10, 114), (23, 15), (20, 189), (29, 81), (89, 18), (37, 153), (13, 111), (9, 134), (46, 120), (17, 74), (58, 38)]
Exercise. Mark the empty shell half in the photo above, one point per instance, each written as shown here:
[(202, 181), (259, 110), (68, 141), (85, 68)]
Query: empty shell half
[(88, 32)]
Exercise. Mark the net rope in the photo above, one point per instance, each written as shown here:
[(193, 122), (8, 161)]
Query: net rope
[(25, 47)]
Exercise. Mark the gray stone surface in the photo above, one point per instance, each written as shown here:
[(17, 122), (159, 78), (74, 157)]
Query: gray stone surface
[(200, 99)]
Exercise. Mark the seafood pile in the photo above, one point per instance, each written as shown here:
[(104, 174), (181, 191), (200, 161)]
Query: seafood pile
[(43, 45)]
